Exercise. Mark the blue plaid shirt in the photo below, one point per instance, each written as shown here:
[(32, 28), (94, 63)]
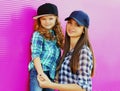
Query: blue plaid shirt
[(83, 75), (47, 51)]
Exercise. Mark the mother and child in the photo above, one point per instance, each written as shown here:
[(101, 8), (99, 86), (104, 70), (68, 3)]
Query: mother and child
[(73, 71)]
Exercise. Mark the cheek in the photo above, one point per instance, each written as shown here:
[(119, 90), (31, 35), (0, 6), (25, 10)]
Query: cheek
[(53, 22), (42, 22), (67, 31), (80, 32), (67, 27)]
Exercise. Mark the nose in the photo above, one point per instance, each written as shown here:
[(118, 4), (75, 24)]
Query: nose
[(46, 21)]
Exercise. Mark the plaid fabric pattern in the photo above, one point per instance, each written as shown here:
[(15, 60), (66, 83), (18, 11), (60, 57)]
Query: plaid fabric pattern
[(48, 52), (83, 75)]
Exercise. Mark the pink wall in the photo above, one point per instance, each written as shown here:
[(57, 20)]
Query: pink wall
[(16, 27)]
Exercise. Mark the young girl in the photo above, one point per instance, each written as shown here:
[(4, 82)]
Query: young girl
[(46, 43), (76, 66)]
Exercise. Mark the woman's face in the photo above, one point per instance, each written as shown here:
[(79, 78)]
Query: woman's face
[(48, 21), (74, 29)]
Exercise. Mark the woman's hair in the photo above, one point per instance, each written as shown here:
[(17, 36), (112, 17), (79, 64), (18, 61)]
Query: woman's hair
[(74, 62), (47, 35)]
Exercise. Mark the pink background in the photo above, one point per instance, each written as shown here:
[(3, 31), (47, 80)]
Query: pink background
[(16, 27)]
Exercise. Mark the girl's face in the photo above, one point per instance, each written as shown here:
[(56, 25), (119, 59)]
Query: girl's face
[(48, 21), (74, 30)]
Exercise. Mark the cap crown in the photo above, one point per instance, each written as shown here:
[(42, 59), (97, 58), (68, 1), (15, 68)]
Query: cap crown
[(80, 17), (47, 8)]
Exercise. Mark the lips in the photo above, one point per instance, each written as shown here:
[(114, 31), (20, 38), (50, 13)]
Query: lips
[(70, 31), (47, 25)]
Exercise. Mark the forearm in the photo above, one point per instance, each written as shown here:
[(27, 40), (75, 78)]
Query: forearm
[(66, 87), (37, 65)]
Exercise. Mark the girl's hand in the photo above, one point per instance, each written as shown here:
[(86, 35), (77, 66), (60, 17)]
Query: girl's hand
[(43, 80)]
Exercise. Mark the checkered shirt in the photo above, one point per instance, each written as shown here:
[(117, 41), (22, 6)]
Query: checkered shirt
[(83, 75), (47, 51)]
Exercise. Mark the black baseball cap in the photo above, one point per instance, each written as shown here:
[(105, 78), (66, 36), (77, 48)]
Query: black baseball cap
[(46, 9)]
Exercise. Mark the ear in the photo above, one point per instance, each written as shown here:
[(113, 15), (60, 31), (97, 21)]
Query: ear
[(83, 30)]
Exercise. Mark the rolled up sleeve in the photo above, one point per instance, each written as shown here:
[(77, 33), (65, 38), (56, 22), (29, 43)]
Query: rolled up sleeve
[(36, 45), (84, 72)]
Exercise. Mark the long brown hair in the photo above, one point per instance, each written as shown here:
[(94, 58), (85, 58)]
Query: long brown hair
[(59, 36), (84, 40)]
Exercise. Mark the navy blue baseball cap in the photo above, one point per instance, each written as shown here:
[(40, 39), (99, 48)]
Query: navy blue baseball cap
[(80, 17), (46, 9)]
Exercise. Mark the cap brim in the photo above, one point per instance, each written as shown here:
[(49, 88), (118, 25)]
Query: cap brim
[(38, 16), (75, 20)]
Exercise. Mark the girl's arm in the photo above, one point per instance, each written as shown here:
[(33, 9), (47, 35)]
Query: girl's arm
[(46, 83), (37, 65), (36, 49)]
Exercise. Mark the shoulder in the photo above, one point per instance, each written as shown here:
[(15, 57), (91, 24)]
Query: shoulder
[(36, 34), (86, 52), (86, 49), (86, 58)]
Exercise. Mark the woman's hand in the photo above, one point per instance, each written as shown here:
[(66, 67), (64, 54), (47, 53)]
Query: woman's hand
[(43, 80)]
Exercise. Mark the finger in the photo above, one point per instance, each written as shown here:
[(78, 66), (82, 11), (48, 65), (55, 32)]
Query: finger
[(38, 77), (41, 77)]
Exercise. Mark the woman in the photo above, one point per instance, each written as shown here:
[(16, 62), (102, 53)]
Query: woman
[(76, 66)]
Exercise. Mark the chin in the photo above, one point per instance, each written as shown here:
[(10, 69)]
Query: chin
[(48, 28), (70, 35)]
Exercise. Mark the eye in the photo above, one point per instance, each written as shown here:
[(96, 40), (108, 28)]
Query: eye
[(50, 18), (69, 22), (42, 18), (77, 25)]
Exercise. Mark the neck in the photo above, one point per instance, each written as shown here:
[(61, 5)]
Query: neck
[(45, 29), (73, 42)]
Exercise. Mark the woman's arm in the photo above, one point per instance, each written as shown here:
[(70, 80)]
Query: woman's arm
[(46, 83), (66, 87)]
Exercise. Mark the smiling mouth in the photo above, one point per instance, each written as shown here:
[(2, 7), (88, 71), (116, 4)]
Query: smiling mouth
[(70, 31), (47, 25)]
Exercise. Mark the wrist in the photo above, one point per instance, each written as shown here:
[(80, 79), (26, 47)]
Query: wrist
[(53, 85)]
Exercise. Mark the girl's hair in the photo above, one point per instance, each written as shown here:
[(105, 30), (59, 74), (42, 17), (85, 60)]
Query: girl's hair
[(47, 35), (74, 62)]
